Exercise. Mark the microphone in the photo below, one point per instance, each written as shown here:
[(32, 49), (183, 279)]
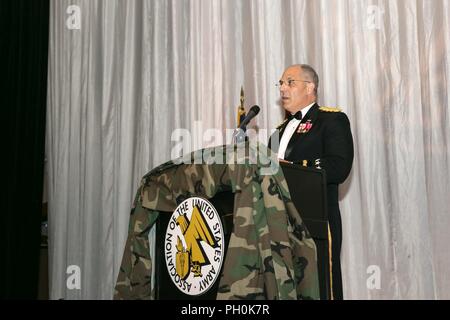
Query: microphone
[(250, 115), (239, 135)]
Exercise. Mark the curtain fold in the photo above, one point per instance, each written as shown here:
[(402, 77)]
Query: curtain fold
[(134, 72)]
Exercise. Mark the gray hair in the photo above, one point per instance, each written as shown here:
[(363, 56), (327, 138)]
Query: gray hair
[(312, 76)]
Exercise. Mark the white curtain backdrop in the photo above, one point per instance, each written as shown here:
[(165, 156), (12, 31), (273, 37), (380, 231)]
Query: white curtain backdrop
[(123, 75)]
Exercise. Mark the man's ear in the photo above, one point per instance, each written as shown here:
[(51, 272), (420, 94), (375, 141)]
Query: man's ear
[(310, 88)]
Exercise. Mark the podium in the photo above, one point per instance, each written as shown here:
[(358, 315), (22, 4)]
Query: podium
[(308, 190), (268, 252)]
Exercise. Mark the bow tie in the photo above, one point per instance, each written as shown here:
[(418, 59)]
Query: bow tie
[(297, 115)]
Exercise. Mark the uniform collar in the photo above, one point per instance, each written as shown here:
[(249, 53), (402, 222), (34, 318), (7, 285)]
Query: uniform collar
[(302, 113)]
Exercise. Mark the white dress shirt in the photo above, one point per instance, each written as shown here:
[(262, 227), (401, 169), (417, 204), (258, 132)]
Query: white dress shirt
[(289, 131)]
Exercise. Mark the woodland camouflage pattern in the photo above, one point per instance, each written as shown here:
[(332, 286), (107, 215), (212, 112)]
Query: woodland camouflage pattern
[(270, 254)]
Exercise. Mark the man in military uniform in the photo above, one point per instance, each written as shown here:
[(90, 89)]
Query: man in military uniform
[(317, 137)]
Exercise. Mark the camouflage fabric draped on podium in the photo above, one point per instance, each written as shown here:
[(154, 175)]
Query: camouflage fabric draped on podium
[(270, 253)]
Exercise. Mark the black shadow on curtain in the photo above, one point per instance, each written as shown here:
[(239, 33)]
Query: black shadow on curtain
[(24, 29)]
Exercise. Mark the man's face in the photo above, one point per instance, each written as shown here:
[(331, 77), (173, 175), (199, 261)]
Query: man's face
[(299, 94)]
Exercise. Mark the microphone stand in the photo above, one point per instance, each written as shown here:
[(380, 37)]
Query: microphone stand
[(239, 136)]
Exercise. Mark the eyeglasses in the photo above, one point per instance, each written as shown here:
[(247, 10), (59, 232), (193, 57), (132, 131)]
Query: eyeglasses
[(290, 82)]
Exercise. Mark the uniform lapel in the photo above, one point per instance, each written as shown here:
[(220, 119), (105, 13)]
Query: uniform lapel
[(283, 127), (312, 116), (280, 128)]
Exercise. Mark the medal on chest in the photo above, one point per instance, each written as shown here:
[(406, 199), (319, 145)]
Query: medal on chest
[(305, 127)]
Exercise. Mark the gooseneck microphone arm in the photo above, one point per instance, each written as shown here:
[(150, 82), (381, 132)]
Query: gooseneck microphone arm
[(239, 134)]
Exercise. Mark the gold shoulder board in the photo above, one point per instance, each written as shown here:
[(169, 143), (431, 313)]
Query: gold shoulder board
[(329, 109)]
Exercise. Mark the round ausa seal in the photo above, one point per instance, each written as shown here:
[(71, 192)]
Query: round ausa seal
[(194, 246)]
